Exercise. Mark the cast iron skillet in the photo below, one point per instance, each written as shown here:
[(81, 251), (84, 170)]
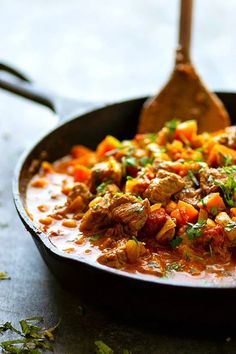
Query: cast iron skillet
[(125, 294)]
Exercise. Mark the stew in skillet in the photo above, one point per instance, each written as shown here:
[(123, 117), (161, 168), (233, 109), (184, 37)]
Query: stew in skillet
[(161, 204)]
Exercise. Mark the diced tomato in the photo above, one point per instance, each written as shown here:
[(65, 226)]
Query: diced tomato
[(156, 219), (132, 171)]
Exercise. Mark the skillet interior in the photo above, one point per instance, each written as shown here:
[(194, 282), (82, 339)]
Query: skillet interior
[(128, 294)]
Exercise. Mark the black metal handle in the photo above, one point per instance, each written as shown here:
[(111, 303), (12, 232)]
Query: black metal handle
[(14, 81)]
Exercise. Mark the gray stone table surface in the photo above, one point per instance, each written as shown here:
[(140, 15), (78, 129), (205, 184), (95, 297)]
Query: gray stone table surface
[(101, 51)]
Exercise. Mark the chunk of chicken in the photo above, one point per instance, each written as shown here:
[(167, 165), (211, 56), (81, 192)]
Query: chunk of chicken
[(164, 186), (120, 208)]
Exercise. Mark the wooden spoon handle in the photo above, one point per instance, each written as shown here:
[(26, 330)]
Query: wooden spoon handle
[(185, 29)]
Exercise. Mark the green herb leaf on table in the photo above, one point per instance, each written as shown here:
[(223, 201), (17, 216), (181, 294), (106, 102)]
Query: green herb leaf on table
[(4, 276), (102, 348), (34, 339)]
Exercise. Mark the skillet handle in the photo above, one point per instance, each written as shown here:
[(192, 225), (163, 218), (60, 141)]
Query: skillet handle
[(14, 81)]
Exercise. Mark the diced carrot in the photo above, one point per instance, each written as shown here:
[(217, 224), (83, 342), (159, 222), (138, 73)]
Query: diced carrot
[(184, 213), (219, 153), (80, 150), (190, 211), (81, 173), (212, 203), (108, 144), (233, 212), (175, 214), (186, 131)]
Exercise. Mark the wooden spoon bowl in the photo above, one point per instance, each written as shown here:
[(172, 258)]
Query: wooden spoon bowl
[(185, 96)]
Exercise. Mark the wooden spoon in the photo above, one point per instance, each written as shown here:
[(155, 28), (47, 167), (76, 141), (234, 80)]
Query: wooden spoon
[(184, 96)]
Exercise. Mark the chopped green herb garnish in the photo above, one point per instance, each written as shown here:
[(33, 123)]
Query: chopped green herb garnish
[(203, 202), (229, 169), (101, 189), (146, 160), (230, 226), (176, 242), (135, 239), (228, 188), (33, 338), (174, 266), (192, 176), (195, 230), (139, 198), (214, 210), (129, 178), (227, 160), (95, 237), (102, 348), (172, 125), (152, 137), (130, 161), (200, 149)]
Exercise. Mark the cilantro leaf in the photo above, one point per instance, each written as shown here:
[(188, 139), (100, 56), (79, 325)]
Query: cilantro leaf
[(192, 176), (4, 276), (145, 160), (172, 125), (130, 161), (214, 210), (95, 237), (228, 189), (33, 338), (176, 242), (174, 266), (195, 230), (230, 226), (101, 189)]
